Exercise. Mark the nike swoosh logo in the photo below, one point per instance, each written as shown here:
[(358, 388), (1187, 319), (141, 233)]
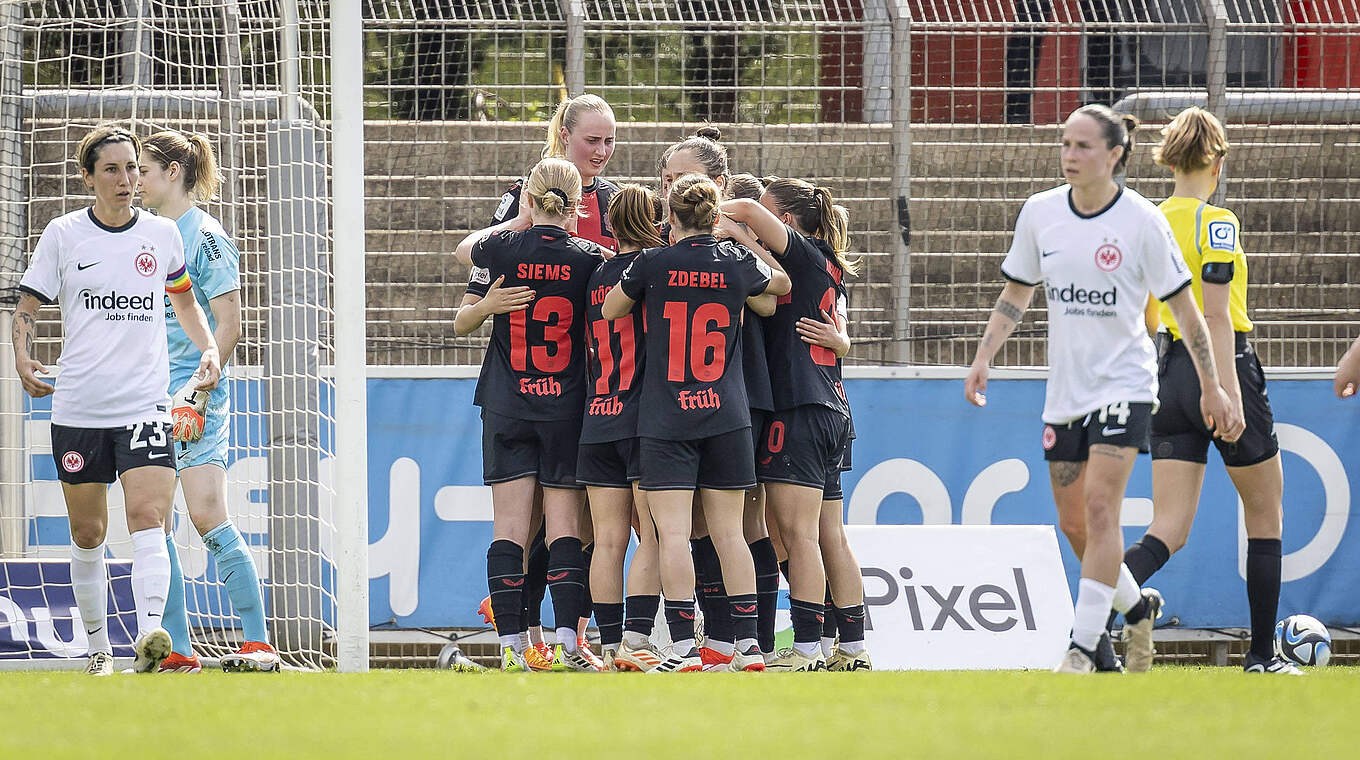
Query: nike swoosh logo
[(1108, 431), (97, 630), (83, 267), (156, 456), (1046, 254)]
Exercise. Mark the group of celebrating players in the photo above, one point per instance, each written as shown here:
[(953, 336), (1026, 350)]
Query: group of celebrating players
[(674, 361), (669, 365)]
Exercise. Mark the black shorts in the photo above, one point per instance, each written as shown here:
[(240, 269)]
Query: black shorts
[(610, 465), (720, 462), (760, 422), (99, 455), (1178, 430), (514, 449), (1119, 424), (804, 446)]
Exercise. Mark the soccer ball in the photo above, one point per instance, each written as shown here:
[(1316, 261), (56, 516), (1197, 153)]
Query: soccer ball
[(1302, 639)]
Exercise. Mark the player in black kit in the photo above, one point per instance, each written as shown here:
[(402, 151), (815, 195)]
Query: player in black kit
[(532, 392), (801, 452), (608, 463), (694, 427)]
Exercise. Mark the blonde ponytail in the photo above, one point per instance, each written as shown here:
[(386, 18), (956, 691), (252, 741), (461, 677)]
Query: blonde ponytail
[(568, 114), (202, 178), (555, 186)]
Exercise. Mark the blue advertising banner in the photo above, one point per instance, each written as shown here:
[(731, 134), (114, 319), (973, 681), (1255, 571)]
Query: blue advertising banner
[(38, 614), (922, 456)]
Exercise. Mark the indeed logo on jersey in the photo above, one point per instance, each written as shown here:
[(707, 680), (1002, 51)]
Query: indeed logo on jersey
[(119, 305), (542, 386), (1077, 300), (704, 399)]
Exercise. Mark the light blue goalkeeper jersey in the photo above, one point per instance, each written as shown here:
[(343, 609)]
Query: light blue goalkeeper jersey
[(214, 268)]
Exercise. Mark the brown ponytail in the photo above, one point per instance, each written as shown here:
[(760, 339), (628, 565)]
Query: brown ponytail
[(634, 214), (194, 154), (817, 215)]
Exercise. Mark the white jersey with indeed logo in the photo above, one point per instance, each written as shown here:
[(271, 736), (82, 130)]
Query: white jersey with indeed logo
[(1096, 273), (110, 283)]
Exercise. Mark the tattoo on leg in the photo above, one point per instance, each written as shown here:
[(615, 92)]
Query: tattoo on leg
[(1065, 474), (1111, 451)]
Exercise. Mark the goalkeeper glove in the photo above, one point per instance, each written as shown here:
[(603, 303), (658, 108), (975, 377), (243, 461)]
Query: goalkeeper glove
[(187, 410)]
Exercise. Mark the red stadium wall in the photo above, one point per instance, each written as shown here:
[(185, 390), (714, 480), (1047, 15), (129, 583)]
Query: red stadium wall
[(1316, 60)]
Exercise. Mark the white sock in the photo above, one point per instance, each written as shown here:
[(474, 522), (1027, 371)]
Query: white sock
[(567, 638), (745, 645), (1126, 591), (828, 646), (682, 648), (635, 640), (89, 583), (150, 577), (809, 648), (852, 647), (1092, 610), (523, 641), (723, 648), (512, 641)]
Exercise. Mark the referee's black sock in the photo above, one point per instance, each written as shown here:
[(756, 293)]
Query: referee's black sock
[(1145, 557), (712, 594), (535, 580), (1263, 593), (505, 581), (565, 571), (767, 591)]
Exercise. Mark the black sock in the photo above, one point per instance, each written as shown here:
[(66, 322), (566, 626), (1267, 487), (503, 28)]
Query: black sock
[(712, 594), (784, 570), (536, 581), (641, 617), (564, 580), (1263, 593), (587, 604), (850, 622), (767, 591), (680, 619), (505, 581), (609, 616), (1145, 557), (744, 615), (807, 621), (829, 620)]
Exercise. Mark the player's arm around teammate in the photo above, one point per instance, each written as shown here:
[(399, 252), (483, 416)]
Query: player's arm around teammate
[(177, 173), (110, 409), (1095, 238)]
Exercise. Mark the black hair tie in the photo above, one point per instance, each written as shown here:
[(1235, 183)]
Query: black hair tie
[(560, 194)]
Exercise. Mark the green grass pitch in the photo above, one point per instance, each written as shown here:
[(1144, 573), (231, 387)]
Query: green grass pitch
[(1173, 712)]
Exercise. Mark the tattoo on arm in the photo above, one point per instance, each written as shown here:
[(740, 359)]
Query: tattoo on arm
[(1009, 310), (24, 327), (1203, 351), (1065, 474)]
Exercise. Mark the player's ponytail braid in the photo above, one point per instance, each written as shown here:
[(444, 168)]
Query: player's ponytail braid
[(555, 186), (816, 214)]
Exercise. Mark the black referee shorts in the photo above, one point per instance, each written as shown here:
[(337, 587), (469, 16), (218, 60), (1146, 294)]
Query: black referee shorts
[(1178, 430)]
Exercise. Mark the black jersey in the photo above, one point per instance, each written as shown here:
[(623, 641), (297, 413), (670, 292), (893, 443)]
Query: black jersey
[(534, 368), (694, 293), (615, 361), (801, 373), (593, 224), (754, 365)]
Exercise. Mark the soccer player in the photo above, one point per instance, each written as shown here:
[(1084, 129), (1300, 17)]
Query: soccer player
[(608, 463), (801, 452), (532, 393), (177, 173), (581, 131), (1194, 149), (107, 265), (1098, 249), (694, 424)]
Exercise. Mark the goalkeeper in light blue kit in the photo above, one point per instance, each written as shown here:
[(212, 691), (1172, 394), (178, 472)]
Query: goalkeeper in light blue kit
[(178, 171)]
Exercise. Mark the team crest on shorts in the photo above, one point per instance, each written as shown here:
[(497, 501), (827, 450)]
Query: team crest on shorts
[(146, 263), (1050, 437), (1109, 257), (72, 461)]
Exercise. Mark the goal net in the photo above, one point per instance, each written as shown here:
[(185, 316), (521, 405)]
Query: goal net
[(255, 83)]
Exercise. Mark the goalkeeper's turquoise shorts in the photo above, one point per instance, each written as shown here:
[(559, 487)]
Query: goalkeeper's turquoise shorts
[(212, 447)]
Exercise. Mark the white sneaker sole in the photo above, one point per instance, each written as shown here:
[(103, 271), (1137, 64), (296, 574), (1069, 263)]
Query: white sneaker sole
[(250, 663), (150, 649)]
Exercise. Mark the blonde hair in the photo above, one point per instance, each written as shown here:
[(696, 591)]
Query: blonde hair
[(195, 156), (555, 186), (1192, 141), (87, 151), (634, 213), (568, 114), (817, 214), (694, 200), (746, 186)]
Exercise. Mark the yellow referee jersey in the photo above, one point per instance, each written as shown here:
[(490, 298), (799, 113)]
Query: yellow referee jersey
[(1208, 234)]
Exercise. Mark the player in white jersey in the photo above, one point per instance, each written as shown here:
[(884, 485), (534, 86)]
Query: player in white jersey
[(177, 172), (107, 266), (1098, 250)]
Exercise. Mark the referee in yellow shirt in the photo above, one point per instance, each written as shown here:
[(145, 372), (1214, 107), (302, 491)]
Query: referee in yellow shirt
[(1210, 240)]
